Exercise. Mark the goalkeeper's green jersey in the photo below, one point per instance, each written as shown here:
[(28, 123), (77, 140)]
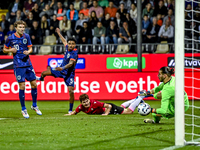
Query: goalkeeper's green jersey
[(168, 96)]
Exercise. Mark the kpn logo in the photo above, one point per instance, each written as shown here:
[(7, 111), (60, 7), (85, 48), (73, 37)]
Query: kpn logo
[(124, 63)]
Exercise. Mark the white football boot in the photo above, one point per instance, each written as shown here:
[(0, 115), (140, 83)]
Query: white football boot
[(36, 110), (25, 114), (149, 121)]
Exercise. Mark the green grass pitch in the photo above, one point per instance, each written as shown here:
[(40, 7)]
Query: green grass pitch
[(54, 131)]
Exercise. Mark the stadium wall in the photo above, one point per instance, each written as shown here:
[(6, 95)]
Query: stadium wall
[(103, 77)]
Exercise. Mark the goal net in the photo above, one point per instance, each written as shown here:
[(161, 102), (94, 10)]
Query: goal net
[(192, 69), (187, 70)]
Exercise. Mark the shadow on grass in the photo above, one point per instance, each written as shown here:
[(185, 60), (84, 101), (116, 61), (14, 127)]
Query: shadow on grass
[(128, 136), (147, 124)]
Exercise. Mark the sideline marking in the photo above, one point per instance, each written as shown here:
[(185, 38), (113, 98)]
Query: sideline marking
[(3, 118)]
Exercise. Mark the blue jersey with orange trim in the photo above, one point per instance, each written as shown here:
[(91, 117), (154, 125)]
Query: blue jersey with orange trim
[(69, 55), (21, 44)]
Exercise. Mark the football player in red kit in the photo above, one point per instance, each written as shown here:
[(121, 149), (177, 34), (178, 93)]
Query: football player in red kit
[(95, 107)]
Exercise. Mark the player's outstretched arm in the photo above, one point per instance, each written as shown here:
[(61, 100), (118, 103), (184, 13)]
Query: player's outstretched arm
[(108, 108), (72, 113), (61, 37), (71, 62)]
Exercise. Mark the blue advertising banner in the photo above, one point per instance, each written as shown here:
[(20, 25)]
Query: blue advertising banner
[(56, 62)]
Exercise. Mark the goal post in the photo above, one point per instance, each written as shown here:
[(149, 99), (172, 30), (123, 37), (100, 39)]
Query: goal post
[(187, 124), (179, 73)]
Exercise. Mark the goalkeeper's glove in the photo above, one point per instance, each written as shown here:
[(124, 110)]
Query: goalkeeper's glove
[(144, 93), (153, 110)]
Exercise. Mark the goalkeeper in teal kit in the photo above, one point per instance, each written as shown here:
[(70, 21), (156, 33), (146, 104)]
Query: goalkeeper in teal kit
[(167, 96)]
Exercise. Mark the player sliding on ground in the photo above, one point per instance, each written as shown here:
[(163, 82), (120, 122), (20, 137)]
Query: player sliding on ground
[(167, 96), (95, 107), (67, 68), (20, 45)]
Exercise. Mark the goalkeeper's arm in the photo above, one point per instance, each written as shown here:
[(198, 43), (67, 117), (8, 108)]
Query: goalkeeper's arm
[(164, 103), (156, 91)]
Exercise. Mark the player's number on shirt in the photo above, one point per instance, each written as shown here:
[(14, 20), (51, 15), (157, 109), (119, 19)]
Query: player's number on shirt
[(16, 47), (71, 81), (33, 71)]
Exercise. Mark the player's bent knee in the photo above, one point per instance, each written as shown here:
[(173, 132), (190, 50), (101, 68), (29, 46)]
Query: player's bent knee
[(33, 84), (71, 90), (22, 85), (127, 111)]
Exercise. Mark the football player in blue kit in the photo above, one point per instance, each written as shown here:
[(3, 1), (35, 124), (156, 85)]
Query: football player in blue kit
[(67, 69), (20, 45)]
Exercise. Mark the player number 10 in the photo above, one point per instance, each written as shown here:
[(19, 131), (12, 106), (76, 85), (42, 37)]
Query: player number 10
[(17, 47)]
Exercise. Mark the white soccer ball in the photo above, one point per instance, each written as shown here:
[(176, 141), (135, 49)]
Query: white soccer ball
[(144, 109)]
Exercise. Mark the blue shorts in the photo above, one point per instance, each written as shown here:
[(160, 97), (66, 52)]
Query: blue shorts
[(69, 80), (27, 73)]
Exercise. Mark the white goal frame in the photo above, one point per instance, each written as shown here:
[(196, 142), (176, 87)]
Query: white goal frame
[(179, 73)]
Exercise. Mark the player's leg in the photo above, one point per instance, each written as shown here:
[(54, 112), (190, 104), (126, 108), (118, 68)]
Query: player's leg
[(127, 111), (71, 98), (34, 97), (69, 81), (34, 92), (127, 103), (22, 99), (156, 118), (22, 95), (47, 72), (30, 76), (20, 77), (116, 109), (135, 103)]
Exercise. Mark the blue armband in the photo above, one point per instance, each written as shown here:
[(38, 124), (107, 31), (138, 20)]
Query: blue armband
[(63, 67)]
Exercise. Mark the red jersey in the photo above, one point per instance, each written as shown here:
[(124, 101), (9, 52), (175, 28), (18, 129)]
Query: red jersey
[(96, 107)]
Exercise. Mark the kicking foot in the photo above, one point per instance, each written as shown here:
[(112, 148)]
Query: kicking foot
[(70, 111), (142, 101), (39, 78), (36, 110), (149, 121), (25, 114)]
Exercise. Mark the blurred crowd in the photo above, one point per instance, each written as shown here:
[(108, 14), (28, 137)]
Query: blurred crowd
[(99, 21)]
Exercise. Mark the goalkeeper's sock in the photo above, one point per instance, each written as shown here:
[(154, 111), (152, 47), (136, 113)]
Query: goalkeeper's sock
[(127, 103), (22, 99), (135, 103), (34, 96), (156, 118), (71, 106)]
